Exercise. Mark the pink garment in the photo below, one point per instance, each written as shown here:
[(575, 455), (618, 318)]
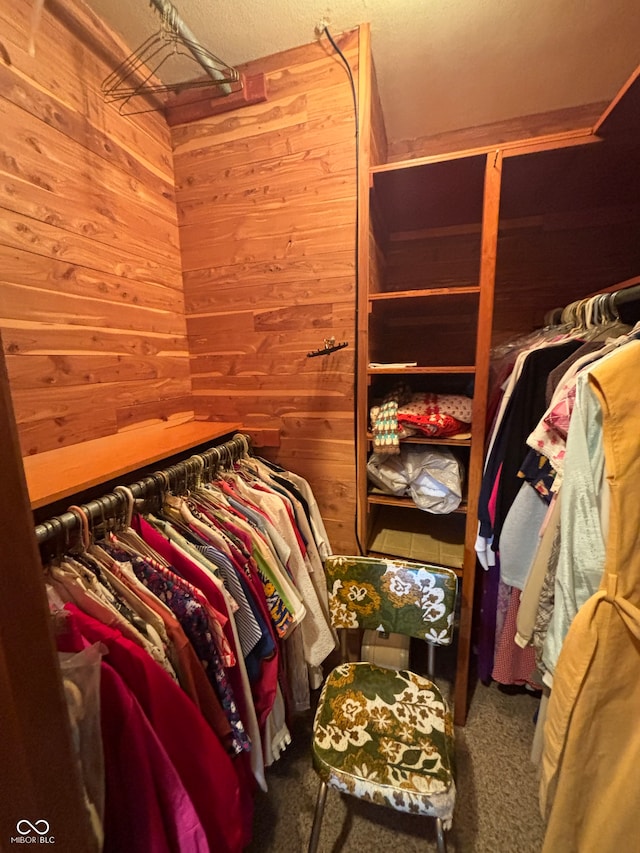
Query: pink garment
[(147, 809), (205, 769), (494, 497)]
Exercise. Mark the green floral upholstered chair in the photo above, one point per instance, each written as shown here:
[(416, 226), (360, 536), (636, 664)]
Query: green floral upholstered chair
[(386, 735)]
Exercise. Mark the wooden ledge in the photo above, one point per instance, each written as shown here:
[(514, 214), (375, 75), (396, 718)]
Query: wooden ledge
[(57, 474)]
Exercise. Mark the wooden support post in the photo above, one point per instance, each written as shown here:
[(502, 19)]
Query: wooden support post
[(490, 220), (40, 778)]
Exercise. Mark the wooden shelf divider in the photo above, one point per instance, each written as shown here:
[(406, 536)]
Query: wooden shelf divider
[(425, 439), (423, 294), (375, 371), (405, 503)]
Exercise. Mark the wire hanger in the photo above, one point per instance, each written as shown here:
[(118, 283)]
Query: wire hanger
[(136, 81)]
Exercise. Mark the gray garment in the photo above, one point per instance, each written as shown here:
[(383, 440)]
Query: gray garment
[(556, 375), (520, 536)]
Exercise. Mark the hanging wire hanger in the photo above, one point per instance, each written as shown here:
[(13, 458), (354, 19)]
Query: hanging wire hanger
[(138, 80)]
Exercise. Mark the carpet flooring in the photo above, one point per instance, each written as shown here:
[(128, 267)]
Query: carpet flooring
[(496, 806)]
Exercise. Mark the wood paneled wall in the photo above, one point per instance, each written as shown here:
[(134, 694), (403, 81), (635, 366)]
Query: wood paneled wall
[(267, 206), (91, 302)]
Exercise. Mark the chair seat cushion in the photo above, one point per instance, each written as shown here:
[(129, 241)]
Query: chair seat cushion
[(386, 736)]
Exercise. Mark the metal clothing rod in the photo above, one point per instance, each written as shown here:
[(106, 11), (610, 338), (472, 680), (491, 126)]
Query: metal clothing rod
[(181, 474), (191, 42), (629, 294)]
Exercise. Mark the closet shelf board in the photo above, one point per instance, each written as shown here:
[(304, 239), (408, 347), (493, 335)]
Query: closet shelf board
[(423, 294), (66, 471), (390, 500), (375, 371), (424, 439)]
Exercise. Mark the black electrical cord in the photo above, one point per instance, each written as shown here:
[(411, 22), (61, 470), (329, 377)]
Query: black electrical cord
[(357, 276)]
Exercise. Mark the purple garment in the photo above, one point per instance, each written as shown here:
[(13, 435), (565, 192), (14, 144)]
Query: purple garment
[(486, 623)]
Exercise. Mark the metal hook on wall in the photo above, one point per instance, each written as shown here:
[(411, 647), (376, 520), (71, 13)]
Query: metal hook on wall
[(330, 345)]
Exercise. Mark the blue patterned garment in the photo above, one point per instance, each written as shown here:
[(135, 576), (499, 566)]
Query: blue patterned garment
[(192, 615)]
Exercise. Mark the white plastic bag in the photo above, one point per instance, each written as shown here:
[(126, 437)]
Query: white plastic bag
[(432, 478), (386, 471), (435, 478)]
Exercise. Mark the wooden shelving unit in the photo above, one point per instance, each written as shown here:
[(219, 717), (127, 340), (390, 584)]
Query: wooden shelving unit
[(428, 299)]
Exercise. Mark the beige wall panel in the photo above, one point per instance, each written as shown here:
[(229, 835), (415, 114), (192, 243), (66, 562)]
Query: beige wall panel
[(91, 299)]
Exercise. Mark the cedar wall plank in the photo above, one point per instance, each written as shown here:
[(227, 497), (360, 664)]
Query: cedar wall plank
[(267, 205), (91, 299)]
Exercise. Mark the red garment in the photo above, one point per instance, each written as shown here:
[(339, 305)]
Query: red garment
[(147, 809), (205, 769), (191, 675), (182, 564)]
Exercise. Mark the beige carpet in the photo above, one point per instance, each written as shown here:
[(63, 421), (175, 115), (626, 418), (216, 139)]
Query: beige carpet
[(496, 809)]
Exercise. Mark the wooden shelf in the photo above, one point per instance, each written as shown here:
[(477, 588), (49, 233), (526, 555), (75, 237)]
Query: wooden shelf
[(403, 371), (408, 503), (455, 569), (424, 439), (423, 294), (81, 466), (621, 118)]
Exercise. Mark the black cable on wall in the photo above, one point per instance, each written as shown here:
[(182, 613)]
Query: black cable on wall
[(357, 276)]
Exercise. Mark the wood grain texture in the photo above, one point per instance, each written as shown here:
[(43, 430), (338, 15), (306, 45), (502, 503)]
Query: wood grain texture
[(105, 459), (36, 750), (499, 134), (91, 298), (266, 201)]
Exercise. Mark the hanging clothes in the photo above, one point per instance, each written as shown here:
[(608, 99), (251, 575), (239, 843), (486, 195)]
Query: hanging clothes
[(591, 760), (213, 614)]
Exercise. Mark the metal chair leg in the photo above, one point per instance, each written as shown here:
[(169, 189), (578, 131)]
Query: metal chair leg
[(441, 841), (317, 818)]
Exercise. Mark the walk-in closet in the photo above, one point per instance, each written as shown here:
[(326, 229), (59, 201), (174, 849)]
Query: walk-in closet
[(317, 341)]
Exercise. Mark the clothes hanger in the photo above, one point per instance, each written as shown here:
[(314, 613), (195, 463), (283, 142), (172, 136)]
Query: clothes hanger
[(136, 82), (85, 532)]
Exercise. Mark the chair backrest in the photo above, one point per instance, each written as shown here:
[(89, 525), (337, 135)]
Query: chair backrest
[(414, 599)]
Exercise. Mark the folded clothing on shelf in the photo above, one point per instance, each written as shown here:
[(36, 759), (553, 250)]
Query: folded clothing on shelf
[(403, 413), (437, 415)]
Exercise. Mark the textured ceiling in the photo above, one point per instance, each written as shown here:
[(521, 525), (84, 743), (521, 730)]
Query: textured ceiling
[(441, 64)]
